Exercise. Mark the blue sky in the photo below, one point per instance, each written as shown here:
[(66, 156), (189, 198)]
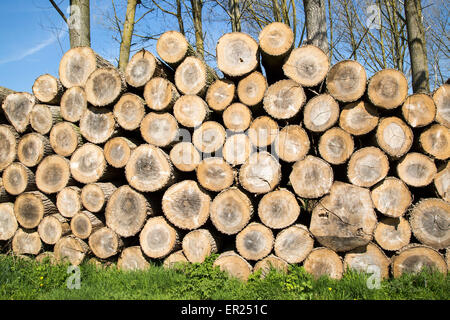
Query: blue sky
[(34, 38)]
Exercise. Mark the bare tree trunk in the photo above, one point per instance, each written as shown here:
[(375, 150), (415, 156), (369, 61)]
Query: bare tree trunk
[(79, 23), (197, 6), (127, 34), (316, 23), (276, 11), (180, 18), (235, 16), (417, 46)]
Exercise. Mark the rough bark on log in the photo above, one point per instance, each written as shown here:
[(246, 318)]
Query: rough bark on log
[(294, 244), (94, 196), (311, 177), (185, 205)]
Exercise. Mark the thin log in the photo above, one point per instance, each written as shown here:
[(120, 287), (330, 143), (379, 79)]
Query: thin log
[(26, 242), (117, 151), (237, 117), (336, 146), (104, 86), (441, 99), (416, 170), (105, 243), (251, 89), (215, 174), (209, 137), (94, 196), (436, 141), (185, 157), (220, 94), (48, 89), (132, 259), (160, 94), (263, 131), (97, 125), (368, 259), (236, 149), (190, 110), (31, 207), (73, 104), (193, 76), (419, 110), (8, 145), (173, 48), (284, 99), (234, 265), (255, 241), (394, 136), (52, 228), (198, 245), (17, 179), (44, 117), (271, 262), (84, 223), (70, 249)]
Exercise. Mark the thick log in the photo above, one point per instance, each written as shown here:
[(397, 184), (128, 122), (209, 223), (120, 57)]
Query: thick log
[(48, 89), (185, 157), (31, 207), (97, 125), (73, 104), (261, 173), (142, 67), (53, 174), (190, 110), (436, 141), (307, 65), (44, 117), (392, 234), (237, 117), (236, 149), (149, 169), (26, 242), (294, 244), (158, 238), (387, 89), (132, 259), (70, 249), (65, 138), (311, 177), (367, 166), (346, 81), (129, 111), (220, 94), (442, 183), (185, 205), (416, 170), (251, 89), (368, 259), (193, 76), (77, 64), (263, 131), (284, 99), (198, 245), (321, 113), (215, 174), (394, 136), (117, 151), (234, 265), (4, 92), (391, 197), (324, 262), (358, 118), (255, 241), (32, 148), (17, 108), (8, 145), (276, 41), (344, 219), (68, 201), (52, 228), (105, 243), (430, 220), (159, 129), (126, 211), (336, 146), (209, 137), (9, 224), (104, 86), (173, 48), (94, 196), (88, 164), (231, 211), (175, 260), (441, 98), (278, 209), (271, 262), (17, 179), (160, 94), (237, 54), (84, 223), (419, 110), (414, 258)]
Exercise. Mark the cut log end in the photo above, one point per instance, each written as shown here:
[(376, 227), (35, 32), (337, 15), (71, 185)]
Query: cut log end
[(172, 47), (324, 262), (278, 209), (416, 170), (311, 177), (17, 108), (387, 89), (255, 241), (269, 263), (414, 258), (185, 205), (392, 234), (346, 81), (53, 174), (368, 259), (367, 166), (9, 223), (276, 39), (104, 86), (47, 89), (132, 259), (294, 244), (65, 138), (251, 89), (392, 197), (88, 164), (117, 151), (175, 260), (237, 149), (26, 242), (17, 179), (31, 207), (32, 148), (220, 94), (394, 136), (237, 117), (358, 118), (129, 111), (159, 129), (158, 239), (234, 265), (436, 141), (442, 183), (97, 125), (43, 117), (419, 110), (8, 145), (307, 65), (190, 110), (231, 211), (261, 173), (105, 243), (284, 99), (321, 113), (263, 131), (70, 249), (95, 195), (336, 146), (84, 223), (215, 174), (441, 98), (52, 228), (191, 76), (68, 201), (209, 137), (198, 245), (140, 69), (185, 156), (73, 104), (160, 94)]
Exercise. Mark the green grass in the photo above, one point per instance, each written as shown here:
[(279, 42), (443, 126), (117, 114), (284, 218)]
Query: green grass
[(23, 279)]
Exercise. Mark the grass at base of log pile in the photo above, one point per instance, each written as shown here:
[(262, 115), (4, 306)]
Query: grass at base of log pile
[(27, 279)]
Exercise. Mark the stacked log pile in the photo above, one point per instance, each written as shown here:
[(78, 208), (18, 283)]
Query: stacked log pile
[(302, 163)]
